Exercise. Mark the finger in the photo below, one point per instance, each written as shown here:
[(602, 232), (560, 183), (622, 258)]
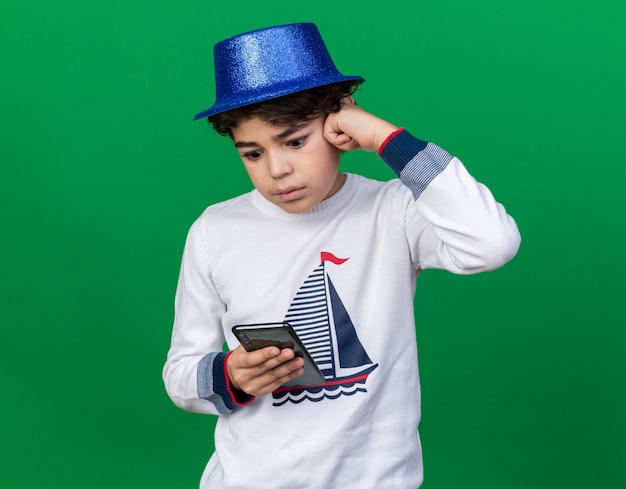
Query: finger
[(270, 380), (245, 359), (332, 132), (262, 371), (350, 145), (272, 361), (340, 139), (265, 360), (278, 376)]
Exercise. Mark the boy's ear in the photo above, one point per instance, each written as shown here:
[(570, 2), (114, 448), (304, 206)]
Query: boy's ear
[(348, 99)]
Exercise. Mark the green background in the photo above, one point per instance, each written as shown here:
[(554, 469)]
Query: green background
[(102, 172)]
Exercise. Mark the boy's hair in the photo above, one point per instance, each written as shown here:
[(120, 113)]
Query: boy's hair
[(288, 109)]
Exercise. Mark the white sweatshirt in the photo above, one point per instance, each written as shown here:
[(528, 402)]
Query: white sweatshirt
[(344, 275)]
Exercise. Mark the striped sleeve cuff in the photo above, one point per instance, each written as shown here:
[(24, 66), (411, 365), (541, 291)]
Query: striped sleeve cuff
[(416, 162), (214, 384)]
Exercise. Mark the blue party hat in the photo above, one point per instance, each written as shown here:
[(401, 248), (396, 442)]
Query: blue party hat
[(268, 63)]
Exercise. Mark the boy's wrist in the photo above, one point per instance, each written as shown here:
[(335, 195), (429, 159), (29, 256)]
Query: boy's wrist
[(388, 138), (400, 148), (240, 397), (385, 132)]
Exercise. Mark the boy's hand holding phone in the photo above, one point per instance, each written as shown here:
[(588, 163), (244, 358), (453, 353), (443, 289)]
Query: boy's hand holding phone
[(271, 355), (260, 372)]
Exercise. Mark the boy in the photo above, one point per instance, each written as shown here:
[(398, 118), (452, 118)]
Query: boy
[(335, 255)]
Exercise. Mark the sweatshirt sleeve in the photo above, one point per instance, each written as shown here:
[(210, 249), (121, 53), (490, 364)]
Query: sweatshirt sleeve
[(195, 373), (454, 222)]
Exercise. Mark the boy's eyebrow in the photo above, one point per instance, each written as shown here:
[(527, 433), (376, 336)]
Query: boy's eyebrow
[(285, 134), (290, 130)]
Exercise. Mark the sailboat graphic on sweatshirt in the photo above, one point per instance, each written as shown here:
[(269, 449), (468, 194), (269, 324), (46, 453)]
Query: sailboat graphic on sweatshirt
[(323, 324)]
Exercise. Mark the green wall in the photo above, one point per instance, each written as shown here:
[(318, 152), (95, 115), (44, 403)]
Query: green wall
[(102, 171)]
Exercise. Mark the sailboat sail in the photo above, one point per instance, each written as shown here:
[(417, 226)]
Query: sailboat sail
[(323, 324)]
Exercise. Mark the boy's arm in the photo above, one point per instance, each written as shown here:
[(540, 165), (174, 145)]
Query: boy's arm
[(467, 231), (198, 375), (454, 222), (195, 373)]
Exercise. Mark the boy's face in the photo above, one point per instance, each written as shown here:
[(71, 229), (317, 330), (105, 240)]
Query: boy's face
[(293, 167)]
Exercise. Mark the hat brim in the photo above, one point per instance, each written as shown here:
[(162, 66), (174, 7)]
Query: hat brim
[(272, 92)]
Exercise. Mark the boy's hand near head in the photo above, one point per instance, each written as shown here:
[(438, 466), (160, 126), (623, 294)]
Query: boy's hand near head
[(260, 372), (353, 128)]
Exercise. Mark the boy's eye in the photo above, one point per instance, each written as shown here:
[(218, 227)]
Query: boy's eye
[(296, 143), (252, 155)]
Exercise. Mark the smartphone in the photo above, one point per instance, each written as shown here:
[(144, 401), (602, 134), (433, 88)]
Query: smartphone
[(257, 336)]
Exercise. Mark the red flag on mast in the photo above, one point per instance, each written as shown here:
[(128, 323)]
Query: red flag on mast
[(326, 256)]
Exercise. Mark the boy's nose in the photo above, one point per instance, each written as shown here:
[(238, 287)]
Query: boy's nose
[(279, 166)]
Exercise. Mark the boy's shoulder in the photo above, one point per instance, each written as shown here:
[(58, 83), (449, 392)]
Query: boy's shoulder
[(224, 208), (369, 187), (224, 218)]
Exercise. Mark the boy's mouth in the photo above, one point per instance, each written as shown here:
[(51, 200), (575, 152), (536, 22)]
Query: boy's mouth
[(289, 193)]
